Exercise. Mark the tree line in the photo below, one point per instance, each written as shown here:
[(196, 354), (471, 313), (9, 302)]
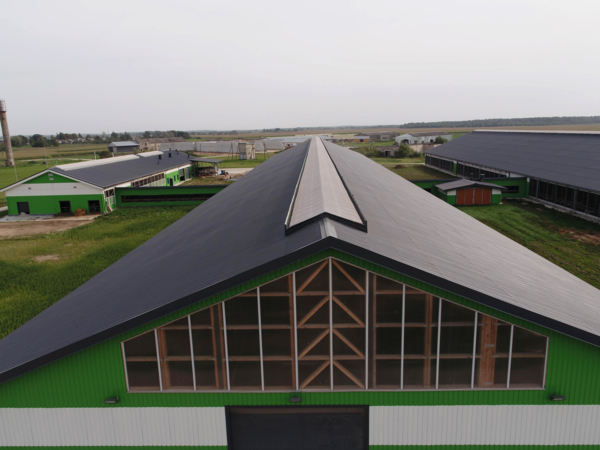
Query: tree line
[(39, 140), (525, 121)]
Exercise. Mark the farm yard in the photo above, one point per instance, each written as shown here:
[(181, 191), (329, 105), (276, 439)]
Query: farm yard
[(29, 265), (567, 241), (417, 172)]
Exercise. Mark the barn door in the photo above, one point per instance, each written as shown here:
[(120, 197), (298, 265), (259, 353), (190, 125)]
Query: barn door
[(487, 197), (460, 196), (297, 428)]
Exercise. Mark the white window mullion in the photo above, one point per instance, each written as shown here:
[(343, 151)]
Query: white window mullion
[(262, 370), (474, 351), (226, 349), (330, 324), (366, 329), (402, 338), (192, 350), (158, 359), (125, 365), (437, 361), (295, 330), (512, 330)]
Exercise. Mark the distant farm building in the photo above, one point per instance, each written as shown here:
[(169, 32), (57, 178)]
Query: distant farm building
[(422, 138), (246, 150), (361, 138), (149, 144), (123, 147), (469, 192), (381, 136), (560, 168), (91, 185)]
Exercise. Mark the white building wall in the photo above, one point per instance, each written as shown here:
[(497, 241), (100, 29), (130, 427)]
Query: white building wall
[(542, 425), (45, 189)]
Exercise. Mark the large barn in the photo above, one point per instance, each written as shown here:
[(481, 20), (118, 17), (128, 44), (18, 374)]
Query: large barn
[(562, 167), (91, 185), (319, 302)]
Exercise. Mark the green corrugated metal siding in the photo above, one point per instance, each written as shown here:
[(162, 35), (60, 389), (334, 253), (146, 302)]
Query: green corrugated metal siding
[(163, 190), (44, 179), (172, 176), (521, 182), (49, 204), (86, 378), (496, 199)]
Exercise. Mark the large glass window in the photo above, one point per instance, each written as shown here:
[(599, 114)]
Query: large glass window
[(334, 326)]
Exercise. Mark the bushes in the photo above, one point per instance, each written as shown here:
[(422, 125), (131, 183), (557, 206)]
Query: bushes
[(440, 140), (369, 151), (405, 151)]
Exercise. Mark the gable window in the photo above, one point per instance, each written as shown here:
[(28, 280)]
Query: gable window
[(334, 326)]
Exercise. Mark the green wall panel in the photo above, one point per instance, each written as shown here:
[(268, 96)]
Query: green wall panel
[(172, 176), (45, 179), (49, 204), (86, 378)]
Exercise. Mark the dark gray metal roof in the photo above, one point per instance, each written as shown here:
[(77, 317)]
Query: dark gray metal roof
[(121, 169), (410, 231), (124, 144), (206, 160), (572, 159), (458, 184)]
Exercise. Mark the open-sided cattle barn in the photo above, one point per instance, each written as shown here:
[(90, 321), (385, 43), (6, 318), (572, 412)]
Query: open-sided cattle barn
[(320, 302), (562, 168)]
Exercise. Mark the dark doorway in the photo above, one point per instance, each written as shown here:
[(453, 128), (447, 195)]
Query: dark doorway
[(65, 207), (181, 175), (23, 207), (298, 428), (94, 206), (170, 181)]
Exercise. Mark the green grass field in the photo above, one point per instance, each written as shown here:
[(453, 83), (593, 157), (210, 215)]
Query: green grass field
[(67, 150), (418, 172), (28, 287), (567, 241), (239, 163), (204, 181), (387, 161)]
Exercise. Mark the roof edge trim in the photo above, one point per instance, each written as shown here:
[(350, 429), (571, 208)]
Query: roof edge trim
[(288, 218)]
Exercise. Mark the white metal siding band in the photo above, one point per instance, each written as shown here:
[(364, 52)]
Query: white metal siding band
[(547, 425), (46, 189), (114, 426)]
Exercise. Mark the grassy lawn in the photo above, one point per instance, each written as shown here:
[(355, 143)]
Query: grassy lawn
[(67, 150), (28, 287), (567, 241), (204, 181), (243, 163), (419, 173), (386, 161), (367, 144)]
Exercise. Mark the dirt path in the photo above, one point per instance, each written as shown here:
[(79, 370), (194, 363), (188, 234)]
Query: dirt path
[(8, 229)]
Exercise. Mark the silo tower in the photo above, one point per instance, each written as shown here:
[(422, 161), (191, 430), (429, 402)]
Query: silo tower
[(10, 161)]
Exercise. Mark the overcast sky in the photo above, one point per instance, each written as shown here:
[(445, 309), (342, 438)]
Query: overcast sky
[(81, 66)]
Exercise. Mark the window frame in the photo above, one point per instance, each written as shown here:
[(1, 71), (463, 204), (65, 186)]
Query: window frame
[(368, 331)]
